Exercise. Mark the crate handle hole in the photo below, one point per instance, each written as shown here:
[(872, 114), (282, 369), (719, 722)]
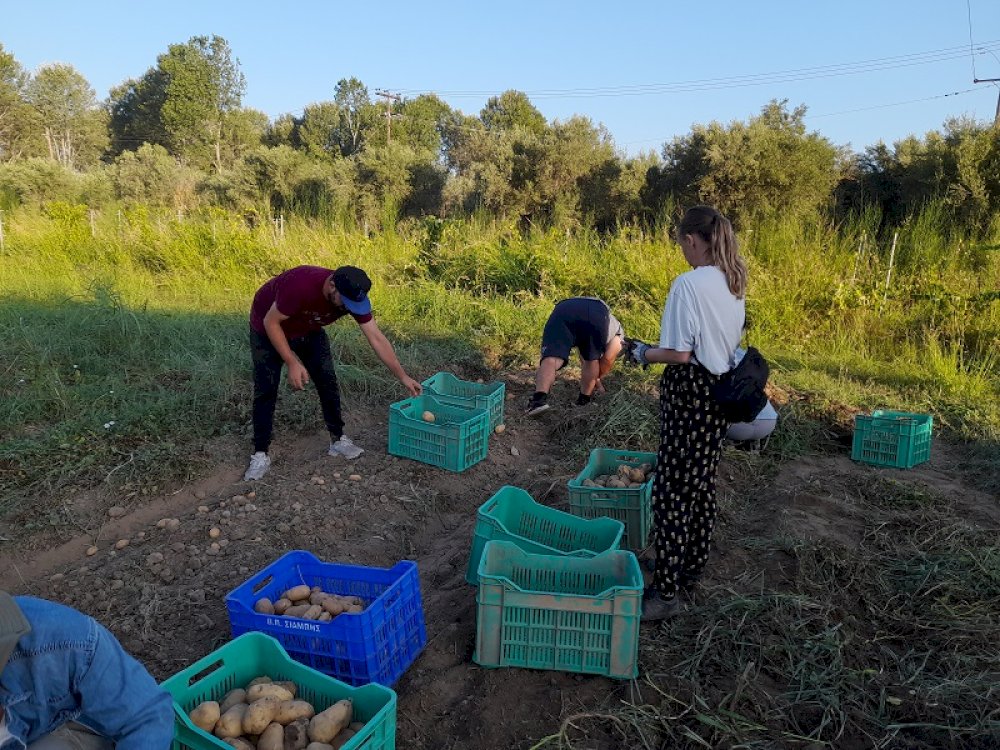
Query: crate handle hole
[(211, 668), (263, 584)]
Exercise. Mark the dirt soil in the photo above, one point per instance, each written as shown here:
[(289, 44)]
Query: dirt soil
[(162, 592)]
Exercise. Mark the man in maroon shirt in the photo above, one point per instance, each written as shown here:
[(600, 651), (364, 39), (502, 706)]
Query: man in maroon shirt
[(286, 328)]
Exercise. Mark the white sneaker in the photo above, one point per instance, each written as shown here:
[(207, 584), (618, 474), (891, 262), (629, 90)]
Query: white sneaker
[(346, 448), (259, 464)]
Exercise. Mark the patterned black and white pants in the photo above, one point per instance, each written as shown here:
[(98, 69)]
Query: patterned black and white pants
[(692, 428)]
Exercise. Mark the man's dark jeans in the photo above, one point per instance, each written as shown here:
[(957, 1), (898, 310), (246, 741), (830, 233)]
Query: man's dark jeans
[(313, 350)]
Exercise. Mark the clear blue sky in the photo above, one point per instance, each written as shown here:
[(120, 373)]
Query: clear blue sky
[(293, 54)]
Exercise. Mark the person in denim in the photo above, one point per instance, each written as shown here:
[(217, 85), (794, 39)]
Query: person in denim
[(66, 682)]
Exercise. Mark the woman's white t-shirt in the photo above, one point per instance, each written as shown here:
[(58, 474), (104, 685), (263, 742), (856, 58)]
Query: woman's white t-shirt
[(703, 317)]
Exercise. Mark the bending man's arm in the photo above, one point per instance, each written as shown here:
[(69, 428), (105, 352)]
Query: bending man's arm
[(383, 349), (297, 374)]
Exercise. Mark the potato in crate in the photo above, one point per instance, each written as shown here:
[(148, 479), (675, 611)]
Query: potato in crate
[(617, 484), (356, 623), (573, 614), (449, 389), (514, 516), (213, 699), (444, 435)]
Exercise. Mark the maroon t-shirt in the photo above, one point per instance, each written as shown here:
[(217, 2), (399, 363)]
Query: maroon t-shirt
[(298, 293)]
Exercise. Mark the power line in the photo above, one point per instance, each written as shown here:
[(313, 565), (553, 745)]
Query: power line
[(739, 81), (968, 9)]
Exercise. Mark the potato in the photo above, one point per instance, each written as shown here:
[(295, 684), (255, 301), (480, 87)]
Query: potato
[(428, 416), (324, 617), (297, 610), (290, 686), (297, 593), (239, 743), (281, 605), (633, 485), (354, 609), (263, 606), (623, 471), (232, 698), (646, 468), (289, 711), (326, 725), (589, 483), (230, 724), (342, 739), (317, 597), (272, 689), (334, 605), (272, 738), (616, 483), (356, 726), (297, 735), (262, 680), (205, 715), (601, 481), (318, 746), (312, 613), (499, 429), (260, 714), (637, 475)]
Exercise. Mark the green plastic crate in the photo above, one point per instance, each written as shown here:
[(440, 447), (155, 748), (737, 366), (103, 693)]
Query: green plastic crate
[(457, 438), (568, 613), (513, 515), (255, 654), (630, 505), (449, 389), (892, 438)]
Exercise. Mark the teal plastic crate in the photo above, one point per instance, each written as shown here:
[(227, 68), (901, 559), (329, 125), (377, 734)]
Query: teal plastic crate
[(255, 654), (457, 438), (549, 612), (630, 505), (513, 515), (449, 389), (897, 439)]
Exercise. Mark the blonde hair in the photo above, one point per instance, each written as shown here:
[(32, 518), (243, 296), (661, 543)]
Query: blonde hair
[(723, 249)]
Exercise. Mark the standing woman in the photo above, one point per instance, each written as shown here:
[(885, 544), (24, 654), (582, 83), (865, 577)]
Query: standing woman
[(699, 334)]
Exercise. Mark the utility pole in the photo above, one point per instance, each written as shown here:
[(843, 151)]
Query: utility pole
[(389, 99), (996, 117)]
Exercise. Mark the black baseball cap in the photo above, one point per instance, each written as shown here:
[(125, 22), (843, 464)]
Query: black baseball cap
[(353, 285)]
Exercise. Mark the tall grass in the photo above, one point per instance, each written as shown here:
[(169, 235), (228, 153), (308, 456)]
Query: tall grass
[(139, 317)]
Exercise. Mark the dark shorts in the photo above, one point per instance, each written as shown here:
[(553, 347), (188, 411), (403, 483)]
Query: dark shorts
[(577, 322)]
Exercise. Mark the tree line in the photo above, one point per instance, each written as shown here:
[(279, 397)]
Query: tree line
[(179, 136)]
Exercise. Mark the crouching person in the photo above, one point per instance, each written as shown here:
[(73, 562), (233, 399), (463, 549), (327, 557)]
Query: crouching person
[(66, 683)]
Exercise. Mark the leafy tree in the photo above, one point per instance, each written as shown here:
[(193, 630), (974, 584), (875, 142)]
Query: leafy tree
[(512, 109), (20, 126), (421, 123), (134, 108), (146, 175), (317, 133), (281, 132), (358, 116), (74, 125), (765, 166)]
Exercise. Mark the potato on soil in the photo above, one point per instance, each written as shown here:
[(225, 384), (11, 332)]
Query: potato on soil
[(297, 593), (232, 698), (297, 735), (272, 738), (230, 724), (263, 606), (260, 714), (271, 689), (290, 711), (281, 606), (326, 725)]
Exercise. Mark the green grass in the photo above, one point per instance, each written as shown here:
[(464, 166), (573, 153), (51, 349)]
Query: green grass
[(140, 320)]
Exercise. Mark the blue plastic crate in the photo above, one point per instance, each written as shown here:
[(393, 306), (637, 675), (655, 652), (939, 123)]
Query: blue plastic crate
[(376, 645), (457, 438), (449, 389)]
